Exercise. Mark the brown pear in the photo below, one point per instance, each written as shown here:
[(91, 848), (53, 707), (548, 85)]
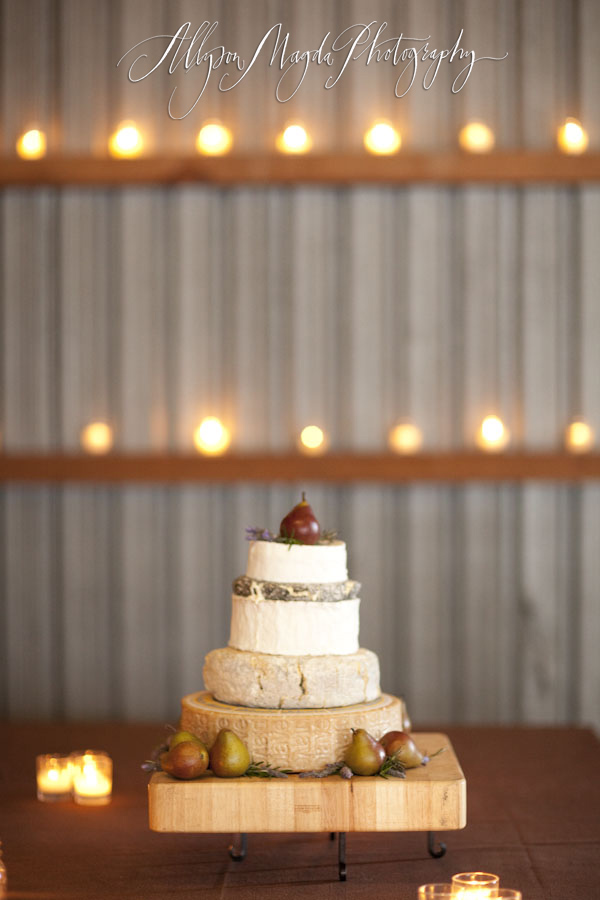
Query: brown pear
[(229, 757), (301, 524), (188, 759), (402, 747), (365, 755)]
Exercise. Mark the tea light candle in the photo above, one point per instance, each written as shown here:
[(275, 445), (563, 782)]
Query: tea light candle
[(92, 778), (54, 778), (474, 885)]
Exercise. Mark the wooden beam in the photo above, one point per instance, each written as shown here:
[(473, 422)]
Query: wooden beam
[(332, 467), (513, 167)]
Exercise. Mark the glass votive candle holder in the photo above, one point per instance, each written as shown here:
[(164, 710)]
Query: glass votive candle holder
[(54, 778), (92, 778), (435, 892), (475, 885), (508, 894)]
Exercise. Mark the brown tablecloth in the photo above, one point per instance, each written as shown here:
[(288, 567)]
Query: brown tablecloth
[(533, 818)]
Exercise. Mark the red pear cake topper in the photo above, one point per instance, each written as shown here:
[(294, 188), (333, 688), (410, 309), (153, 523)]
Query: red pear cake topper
[(301, 524)]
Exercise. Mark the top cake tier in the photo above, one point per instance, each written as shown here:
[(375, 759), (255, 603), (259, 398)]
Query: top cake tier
[(297, 563)]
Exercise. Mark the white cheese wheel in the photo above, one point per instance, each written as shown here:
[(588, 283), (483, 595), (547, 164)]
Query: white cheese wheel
[(297, 563), (291, 682), (296, 739), (301, 628)]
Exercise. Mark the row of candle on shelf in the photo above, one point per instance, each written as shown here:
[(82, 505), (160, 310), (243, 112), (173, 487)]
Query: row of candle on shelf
[(213, 438), (215, 139), (469, 886), (84, 776)]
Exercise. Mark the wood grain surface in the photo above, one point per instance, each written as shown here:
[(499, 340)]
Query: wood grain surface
[(432, 797)]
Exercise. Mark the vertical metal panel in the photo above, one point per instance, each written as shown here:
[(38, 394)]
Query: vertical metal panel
[(90, 634), (84, 69), (270, 307), (30, 320), (33, 603), (28, 78)]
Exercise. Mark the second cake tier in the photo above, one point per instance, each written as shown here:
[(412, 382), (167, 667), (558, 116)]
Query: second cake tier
[(291, 682)]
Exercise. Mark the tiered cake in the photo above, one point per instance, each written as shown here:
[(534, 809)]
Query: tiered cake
[(293, 681)]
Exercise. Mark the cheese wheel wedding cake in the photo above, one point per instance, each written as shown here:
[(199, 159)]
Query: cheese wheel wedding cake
[(293, 681)]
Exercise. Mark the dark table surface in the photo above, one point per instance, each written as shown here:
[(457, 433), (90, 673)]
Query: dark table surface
[(533, 818)]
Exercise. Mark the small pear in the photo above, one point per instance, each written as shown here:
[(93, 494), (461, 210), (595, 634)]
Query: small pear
[(365, 755), (229, 757), (402, 747), (188, 759), (301, 524), (181, 736)]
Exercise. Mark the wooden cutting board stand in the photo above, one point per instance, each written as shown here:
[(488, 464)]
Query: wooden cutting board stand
[(431, 798)]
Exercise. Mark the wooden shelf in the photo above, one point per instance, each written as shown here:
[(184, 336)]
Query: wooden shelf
[(268, 467), (513, 167)]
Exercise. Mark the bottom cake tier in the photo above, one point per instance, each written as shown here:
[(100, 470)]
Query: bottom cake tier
[(295, 739)]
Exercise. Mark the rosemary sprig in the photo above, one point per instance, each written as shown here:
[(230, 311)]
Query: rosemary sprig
[(264, 770), (392, 768)]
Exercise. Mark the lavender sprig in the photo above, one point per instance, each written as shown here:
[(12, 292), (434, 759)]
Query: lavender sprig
[(330, 769), (256, 533)]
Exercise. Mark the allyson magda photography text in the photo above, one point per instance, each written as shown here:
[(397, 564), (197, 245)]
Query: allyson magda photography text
[(414, 59)]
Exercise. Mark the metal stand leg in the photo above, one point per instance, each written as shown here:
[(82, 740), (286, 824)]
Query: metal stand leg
[(437, 854), (342, 855), (239, 855)]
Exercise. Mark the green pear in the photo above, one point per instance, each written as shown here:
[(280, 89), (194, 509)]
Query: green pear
[(181, 736), (229, 757), (365, 755)]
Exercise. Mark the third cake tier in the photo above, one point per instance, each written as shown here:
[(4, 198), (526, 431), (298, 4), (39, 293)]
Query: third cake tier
[(291, 682)]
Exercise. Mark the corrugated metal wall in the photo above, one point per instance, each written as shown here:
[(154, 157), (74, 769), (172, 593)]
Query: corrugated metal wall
[(273, 307)]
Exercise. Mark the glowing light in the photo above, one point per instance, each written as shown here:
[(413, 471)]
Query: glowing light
[(472, 894), (493, 434), (572, 137), (92, 778), (97, 437), (32, 144), (54, 779), (579, 437), (405, 438), (382, 138), (294, 140), (214, 139), (475, 885), (475, 137), (312, 439), (126, 141), (211, 436)]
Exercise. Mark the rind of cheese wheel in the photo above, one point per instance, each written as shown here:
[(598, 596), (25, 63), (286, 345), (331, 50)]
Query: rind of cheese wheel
[(297, 563), (302, 628), (331, 592), (296, 739), (291, 682)]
